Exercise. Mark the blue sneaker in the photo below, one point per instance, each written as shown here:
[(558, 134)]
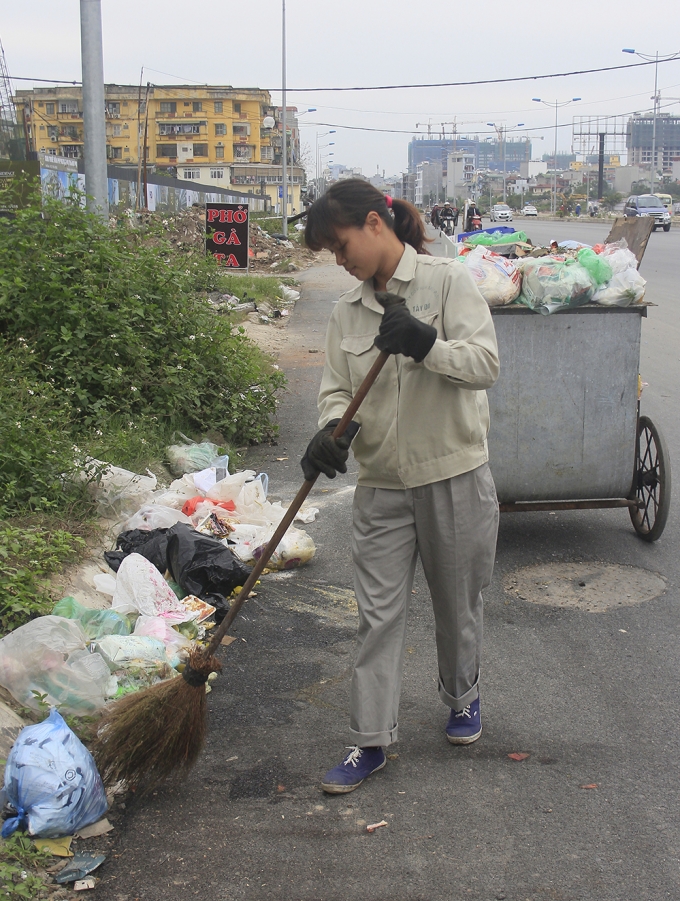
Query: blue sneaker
[(464, 726), (357, 766)]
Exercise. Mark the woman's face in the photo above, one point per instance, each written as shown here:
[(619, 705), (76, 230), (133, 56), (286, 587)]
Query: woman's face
[(358, 250)]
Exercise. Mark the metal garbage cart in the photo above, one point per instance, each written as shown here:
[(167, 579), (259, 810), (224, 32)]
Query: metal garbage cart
[(566, 430)]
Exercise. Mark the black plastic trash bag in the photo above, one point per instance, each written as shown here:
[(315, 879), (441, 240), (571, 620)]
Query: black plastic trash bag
[(153, 545), (201, 565)]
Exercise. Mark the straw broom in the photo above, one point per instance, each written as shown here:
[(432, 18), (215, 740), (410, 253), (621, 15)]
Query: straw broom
[(146, 736)]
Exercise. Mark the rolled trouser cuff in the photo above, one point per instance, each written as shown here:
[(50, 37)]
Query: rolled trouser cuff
[(459, 703), (374, 739)]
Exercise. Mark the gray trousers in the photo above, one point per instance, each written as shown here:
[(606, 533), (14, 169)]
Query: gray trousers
[(453, 526)]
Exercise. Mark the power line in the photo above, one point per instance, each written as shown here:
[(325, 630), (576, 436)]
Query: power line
[(47, 80), (466, 84)]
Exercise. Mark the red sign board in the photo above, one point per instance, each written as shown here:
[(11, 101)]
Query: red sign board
[(226, 233)]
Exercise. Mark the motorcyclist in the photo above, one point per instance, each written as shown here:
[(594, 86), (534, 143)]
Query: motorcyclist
[(434, 215), (471, 213), (447, 213)]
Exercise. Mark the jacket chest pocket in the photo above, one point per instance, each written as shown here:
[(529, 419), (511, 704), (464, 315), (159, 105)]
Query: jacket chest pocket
[(361, 353)]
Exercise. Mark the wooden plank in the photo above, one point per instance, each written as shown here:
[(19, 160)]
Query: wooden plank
[(636, 230)]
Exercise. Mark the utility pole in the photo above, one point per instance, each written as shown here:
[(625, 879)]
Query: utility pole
[(94, 120), (284, 143)]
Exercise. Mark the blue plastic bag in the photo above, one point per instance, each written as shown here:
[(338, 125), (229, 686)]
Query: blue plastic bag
[(52, 782)]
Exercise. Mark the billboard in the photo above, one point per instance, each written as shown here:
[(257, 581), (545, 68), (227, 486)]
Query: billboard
[(226, 233)]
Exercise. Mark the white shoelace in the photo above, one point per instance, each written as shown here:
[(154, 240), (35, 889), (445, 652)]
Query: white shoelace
[(353, 756), (464, 712)]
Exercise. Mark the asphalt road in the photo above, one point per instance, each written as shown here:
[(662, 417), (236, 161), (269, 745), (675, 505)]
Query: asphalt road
[(592, 698)]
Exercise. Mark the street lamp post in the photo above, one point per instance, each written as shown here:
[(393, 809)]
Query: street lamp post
[(655, 59), (317, 159), (557, 104), (284, 136)]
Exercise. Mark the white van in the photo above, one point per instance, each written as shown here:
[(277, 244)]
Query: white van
[(667, 201)]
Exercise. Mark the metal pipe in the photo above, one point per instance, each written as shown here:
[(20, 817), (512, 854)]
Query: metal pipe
[(94, 119), (284, 148), (539, 506)]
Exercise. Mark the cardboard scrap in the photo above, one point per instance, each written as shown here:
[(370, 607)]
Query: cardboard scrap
[(101, 827), (59, 847), (83, 884)]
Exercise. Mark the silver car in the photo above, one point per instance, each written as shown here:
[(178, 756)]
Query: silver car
[(501, 212)]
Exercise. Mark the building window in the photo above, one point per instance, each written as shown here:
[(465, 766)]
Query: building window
[(52, 131), (266, 153), (217, 173), (49, 109), (200, 149), (241, 130), (220, 128), (117, 131), (68, 106), (180, 128), (192, 173), (237, 107), (218, 106), (243, 151), (197, 106), (114, 153), (113, 109), (168, 106), (219, 153), (166, 150)]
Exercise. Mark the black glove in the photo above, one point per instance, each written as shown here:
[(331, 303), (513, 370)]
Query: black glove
[(401, 333), (327, 454)]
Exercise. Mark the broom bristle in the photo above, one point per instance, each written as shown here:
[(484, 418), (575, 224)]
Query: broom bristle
[(147, 735)]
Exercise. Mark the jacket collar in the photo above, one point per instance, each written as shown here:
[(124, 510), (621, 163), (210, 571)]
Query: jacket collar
[(403, 274)]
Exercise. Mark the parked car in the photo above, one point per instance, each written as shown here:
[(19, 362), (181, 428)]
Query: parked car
[(648, 205), (501, 212), (528, 210)]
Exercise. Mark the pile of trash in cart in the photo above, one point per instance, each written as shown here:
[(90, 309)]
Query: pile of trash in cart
[(180, 552), (508, 268)]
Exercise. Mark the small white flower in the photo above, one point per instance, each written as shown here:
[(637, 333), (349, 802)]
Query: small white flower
[(179, 365), (132, 388), (18, 425)]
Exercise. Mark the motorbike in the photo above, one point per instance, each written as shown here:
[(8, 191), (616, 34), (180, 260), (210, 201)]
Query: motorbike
[(476, 223), (447, 224)]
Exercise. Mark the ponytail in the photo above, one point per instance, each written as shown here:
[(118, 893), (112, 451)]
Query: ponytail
[(347, 204)]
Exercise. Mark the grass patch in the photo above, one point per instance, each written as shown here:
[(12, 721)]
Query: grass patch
[(22, 866)]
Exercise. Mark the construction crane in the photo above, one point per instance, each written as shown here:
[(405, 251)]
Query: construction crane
[(8, 113), (453, 123)]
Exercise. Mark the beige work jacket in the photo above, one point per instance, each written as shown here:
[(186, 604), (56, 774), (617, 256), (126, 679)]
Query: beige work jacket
[(420, 422)]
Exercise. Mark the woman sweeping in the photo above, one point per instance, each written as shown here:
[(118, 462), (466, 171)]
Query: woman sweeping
[(424, 486)]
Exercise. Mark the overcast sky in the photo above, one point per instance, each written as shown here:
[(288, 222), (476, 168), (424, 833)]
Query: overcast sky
[(373, 42)]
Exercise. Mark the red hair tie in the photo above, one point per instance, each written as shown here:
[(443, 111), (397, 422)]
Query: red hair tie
[(388, 201)]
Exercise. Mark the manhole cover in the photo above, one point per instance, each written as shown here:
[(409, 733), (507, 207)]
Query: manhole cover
[(592, 587)]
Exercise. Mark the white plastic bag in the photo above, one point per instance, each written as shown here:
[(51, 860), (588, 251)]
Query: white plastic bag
[(48, 655), (138, 651), (52, 782), (623, 289), (619, 256), (140, 588), (179, 491), (295, 548), (229, 488), (497, 278), (118, 490), (155, 516)]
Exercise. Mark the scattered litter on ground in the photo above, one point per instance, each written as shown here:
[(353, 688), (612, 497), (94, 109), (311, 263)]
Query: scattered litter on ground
[(519, 755), (82, 885), (590, 785), (58, 847), (94, 830), (374, 826), (84, 863)]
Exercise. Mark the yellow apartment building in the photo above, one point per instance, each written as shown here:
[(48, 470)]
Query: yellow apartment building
[(215, 135)]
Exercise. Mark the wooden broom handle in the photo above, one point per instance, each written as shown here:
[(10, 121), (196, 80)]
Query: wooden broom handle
[(292, 510)]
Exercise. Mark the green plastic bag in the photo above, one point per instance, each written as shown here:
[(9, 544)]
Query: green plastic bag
[(596, 265), (96, 623), (488, 240)]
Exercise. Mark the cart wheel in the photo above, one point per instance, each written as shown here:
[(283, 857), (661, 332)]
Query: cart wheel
[(651, 481)]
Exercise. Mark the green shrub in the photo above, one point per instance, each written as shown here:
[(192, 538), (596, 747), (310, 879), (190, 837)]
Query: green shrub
[(36, 437), (119, 324), (28, 557)]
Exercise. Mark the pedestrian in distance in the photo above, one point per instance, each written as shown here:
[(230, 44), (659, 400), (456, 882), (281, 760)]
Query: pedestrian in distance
[(424, 485), (434, 216), (578, 210)]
